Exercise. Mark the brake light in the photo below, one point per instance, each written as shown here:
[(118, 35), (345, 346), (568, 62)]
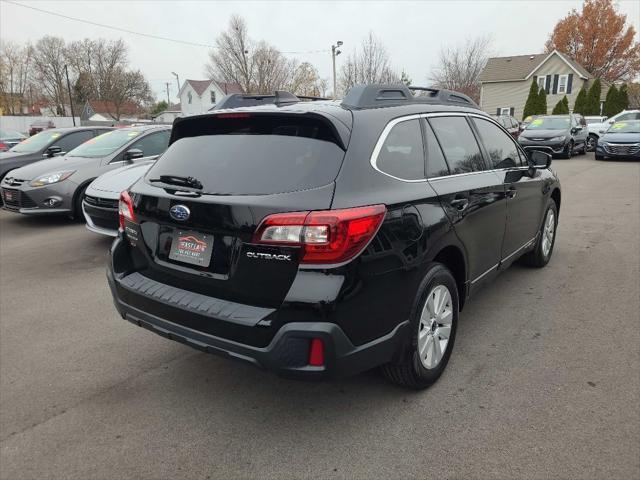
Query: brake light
[(233, 115), (3, 146), (125, 209), (325, 237)]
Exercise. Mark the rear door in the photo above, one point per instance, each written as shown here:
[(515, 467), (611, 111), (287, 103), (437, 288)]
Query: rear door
[(472, 196), (249, 167), (525, 198)]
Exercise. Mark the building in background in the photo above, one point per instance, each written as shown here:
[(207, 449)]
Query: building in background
[(505, 81), (168, 115), (198, 96)]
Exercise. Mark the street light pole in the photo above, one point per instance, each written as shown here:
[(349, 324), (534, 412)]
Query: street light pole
[(334, 53), (177, 80)]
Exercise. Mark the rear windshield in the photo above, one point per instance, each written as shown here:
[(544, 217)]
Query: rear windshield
[(254, 155)]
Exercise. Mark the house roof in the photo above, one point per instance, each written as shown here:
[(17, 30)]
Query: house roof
[(127, 108), (201, 85), (521, 67)]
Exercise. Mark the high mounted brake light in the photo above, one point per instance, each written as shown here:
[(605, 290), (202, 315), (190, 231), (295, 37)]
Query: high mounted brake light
[(325, 237), (233, 115), (125, 209)]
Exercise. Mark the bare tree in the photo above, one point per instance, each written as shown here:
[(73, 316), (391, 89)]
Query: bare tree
[(100, 71), (15, 67), (127, 87), (368, 65), (306, 81), (459, 67), (256, 66), (48, 71)]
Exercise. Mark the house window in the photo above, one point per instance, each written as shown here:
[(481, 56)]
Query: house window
[(505, 111), (542, 81), (562, 83), (189, 97), (213, 97)]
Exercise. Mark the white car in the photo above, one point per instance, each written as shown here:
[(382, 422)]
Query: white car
[(596, 129)]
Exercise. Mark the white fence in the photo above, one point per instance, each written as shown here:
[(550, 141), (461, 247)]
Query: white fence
[(21, 124)]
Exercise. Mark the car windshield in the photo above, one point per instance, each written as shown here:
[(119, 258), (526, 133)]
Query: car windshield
[(37, 142), (549, 123), (625, 127), (9, 134), (104, 144)]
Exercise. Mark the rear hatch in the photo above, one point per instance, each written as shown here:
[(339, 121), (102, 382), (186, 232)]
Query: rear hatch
[(198, 207)]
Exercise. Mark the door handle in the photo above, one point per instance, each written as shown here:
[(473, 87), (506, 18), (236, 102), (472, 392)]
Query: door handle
[(512, 192), (460, 203)]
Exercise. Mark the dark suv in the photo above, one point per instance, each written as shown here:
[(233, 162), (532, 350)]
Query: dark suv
[(320, 239), (561, 135)]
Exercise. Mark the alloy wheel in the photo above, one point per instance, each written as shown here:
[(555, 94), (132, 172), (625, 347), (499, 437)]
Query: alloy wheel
[(434, 328), (548, 232), (591, 143)]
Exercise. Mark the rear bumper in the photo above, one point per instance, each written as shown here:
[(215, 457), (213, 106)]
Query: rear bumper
[(288, 351)]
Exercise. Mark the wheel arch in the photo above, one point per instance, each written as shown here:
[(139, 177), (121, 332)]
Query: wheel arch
[(76, 194), (557, 196), (453, 258)]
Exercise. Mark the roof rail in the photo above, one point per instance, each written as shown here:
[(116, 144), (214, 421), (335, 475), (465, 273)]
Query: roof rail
[(375, 96)]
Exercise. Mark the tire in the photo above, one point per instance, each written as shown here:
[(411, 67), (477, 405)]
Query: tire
[(599, 157), (592, 141), (583, 150), (568, 151), (541, 254), (77, 214), (410, 370)]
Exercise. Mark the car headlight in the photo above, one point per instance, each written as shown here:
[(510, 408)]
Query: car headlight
[(561, 138), (50, 178)]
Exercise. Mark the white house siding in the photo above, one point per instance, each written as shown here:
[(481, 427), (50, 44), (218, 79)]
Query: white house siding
[(514, 94), (166, 117), (199, 104), (21, 124)]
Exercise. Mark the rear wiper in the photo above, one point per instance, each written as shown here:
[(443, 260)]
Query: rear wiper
[(181, 181)]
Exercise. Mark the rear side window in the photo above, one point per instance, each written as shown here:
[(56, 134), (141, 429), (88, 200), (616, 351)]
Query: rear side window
[(436, 164), (153, 144), (502, 151), (402, 154), (253, 155), (458, 143)]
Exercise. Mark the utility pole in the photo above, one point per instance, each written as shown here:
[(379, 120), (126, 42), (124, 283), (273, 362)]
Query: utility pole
[(168, 101), (73, 115), (334, 53), (177, 81)]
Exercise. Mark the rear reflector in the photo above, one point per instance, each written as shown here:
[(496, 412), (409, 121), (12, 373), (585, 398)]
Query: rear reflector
[(316, 352), (325, 237)]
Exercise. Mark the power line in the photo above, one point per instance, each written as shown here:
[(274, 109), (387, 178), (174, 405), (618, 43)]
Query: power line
[(132, 32)]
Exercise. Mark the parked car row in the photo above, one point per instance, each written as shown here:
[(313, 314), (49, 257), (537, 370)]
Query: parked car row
[(315, 239)]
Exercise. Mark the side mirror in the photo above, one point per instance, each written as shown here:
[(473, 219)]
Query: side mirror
[(539, 160), (132, 154), (53, 150), (611, 122)]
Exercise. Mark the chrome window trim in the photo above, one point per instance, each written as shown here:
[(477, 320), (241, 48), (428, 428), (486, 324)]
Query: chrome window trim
[(392, 123), (383, 138)]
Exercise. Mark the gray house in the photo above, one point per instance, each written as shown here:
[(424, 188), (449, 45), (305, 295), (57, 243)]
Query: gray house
[(505, 81)]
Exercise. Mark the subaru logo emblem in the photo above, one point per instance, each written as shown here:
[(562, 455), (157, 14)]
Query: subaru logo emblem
[(180, 213)]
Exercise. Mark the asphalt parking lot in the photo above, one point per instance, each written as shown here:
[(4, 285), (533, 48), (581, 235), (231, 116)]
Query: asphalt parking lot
[(543, 381)]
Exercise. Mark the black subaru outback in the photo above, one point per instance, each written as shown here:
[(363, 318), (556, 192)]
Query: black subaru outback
[(318, 239)]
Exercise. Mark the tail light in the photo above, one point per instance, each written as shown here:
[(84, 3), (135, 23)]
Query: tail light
[(3, 147), (325, 237), (125, 209)]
